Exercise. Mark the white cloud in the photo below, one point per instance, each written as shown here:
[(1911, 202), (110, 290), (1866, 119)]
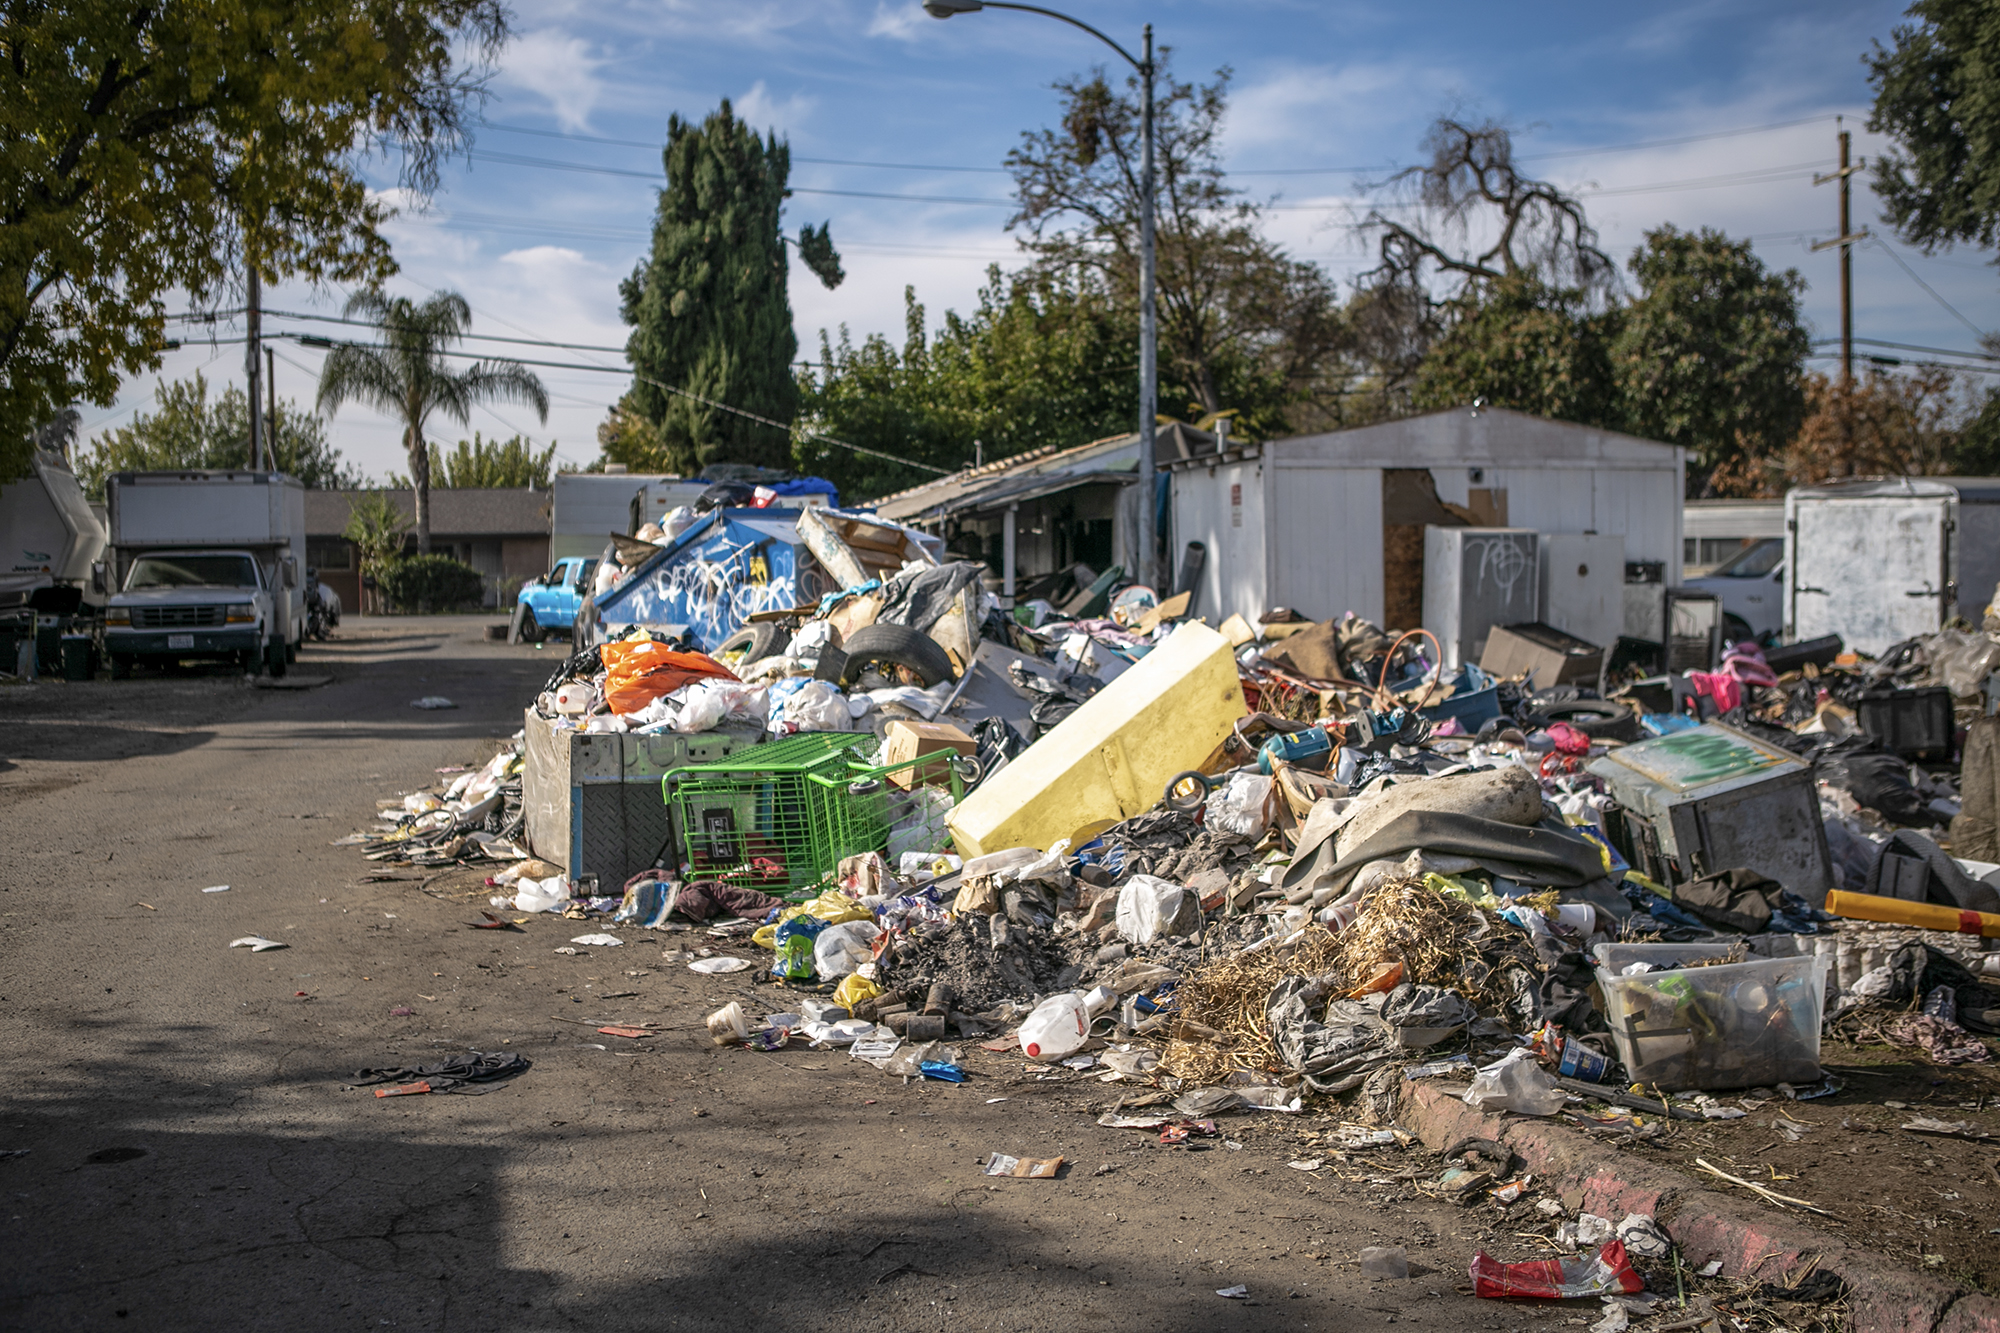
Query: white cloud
[(897, 19), (559, 68), (760, 110)]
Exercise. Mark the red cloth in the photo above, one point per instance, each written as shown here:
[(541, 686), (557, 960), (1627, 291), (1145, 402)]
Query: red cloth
[(1727, 691)]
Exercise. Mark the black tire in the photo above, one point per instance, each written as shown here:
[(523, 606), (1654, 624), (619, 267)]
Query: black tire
[(1735, 629), (1599, 719), (531, 628), (274, 660), (755, 642), (898, 645), (1189, 800)]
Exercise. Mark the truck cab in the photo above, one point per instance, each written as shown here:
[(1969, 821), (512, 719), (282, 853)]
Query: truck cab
[(175, 605), (552, 601)]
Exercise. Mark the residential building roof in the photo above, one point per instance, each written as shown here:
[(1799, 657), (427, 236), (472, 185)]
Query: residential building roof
[(471, 512)]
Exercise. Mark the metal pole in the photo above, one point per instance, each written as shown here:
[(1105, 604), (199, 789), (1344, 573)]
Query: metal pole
[(271, 406), (1846, 278), (253, 363), (1149, 369), (1007, 540)]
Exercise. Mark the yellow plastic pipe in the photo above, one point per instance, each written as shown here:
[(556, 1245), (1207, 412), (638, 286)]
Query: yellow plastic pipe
[(1898, 912)]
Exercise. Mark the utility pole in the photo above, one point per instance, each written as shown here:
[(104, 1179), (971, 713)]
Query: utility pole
[(253, 362), (271, 401), (1845, 240)]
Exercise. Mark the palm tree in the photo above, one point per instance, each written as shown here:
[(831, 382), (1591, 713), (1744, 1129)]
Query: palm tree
[(406, 375)]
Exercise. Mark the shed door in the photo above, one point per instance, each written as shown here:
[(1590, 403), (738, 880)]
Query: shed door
[(1874, 571)]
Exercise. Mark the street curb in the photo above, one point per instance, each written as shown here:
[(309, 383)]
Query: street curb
[(1749, 1238)]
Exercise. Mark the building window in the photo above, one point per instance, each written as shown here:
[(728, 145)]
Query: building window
[(333, 554)]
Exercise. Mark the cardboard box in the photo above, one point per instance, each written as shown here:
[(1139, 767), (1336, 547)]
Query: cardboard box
[(912, 740), (1549, 656)]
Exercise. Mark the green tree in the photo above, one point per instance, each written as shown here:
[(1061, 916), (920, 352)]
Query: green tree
[(483, 464), (187, 429), (147, 149), (1937, 96), (1039, 362), (1518, 344), (408, 376), (625, 436), (1711, 355), (378, 530), (1242, 325), (708, 307)]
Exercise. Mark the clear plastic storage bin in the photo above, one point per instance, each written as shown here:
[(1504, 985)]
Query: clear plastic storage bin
[(1732, 1025)]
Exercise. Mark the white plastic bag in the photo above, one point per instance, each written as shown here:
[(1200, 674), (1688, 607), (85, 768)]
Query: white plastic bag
[(1242, 806), (840, 949), (1515, 1083), (1147, 908), (541, 895), (816, 705), (918, 823)]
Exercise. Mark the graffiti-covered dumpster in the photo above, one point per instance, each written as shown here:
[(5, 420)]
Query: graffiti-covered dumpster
[(730, 565)]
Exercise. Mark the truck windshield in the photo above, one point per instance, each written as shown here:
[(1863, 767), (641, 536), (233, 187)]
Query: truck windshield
[(1752, 562), (192, 571)]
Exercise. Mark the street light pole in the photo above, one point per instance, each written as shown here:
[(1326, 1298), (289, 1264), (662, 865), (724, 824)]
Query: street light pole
[(1149, 364)]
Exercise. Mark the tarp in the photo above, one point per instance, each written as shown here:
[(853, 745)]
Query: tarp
[(728, 566)]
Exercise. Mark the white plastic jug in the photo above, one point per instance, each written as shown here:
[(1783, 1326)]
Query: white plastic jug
[(1057, 1027)]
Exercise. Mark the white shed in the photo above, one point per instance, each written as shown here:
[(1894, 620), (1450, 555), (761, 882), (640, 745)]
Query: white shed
[(1331, 523)]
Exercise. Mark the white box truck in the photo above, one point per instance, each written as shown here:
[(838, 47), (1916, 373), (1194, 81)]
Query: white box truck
[(1874, 561), (590, 506), (208, 564)]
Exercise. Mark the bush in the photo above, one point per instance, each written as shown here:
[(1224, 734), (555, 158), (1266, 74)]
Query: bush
[(426, 583)]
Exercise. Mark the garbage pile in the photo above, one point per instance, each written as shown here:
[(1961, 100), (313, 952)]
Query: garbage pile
[(1254, 865)]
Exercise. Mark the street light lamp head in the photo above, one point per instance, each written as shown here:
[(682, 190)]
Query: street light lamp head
[(944, 9)]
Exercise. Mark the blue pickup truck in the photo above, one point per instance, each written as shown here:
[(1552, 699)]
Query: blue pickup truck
[(552, 601)]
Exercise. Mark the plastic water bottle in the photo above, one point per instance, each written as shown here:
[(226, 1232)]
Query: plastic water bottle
[(1057, 1027)]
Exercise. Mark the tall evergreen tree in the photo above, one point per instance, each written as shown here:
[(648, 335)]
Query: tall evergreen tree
[(708, 308)]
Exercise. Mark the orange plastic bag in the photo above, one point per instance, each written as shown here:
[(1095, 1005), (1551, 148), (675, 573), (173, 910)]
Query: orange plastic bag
[(635, 674)]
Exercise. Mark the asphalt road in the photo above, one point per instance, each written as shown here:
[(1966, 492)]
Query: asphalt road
[(177, 1150)]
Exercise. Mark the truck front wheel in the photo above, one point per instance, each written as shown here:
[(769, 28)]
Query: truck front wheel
[(275, 659)]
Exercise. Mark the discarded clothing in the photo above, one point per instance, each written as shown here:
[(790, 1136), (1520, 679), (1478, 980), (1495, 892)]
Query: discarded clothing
[(1739, 900), (449, 1075)]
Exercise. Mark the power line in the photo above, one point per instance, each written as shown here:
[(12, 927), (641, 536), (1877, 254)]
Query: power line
[(1887, 249), (1254, 171), (1912, 347), (816, 161), (684, 393), (515, 159)]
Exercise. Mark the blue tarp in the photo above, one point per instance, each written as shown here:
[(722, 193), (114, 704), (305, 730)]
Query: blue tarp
[(807, 486), (731, 564)]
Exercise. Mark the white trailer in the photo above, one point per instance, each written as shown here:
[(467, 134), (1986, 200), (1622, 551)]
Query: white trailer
[(49, 539), (590, 506), (1325, 524), (1875, 561)]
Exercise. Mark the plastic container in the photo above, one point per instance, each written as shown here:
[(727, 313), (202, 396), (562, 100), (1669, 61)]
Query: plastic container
[(1615, 958), (1733, 1025), (1476, 702), (1057, 1027), (1916, 724)]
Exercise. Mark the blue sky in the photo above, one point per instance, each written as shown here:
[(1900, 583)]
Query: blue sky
[(1592, 91)]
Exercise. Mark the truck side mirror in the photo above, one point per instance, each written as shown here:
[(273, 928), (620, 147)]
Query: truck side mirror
[(97, 574)]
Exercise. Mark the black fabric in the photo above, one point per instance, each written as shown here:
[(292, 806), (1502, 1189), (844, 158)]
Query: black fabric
[(1542, 857), (1859, 766), (1945, 882), (1740, 900), (450, 1075), (1564, 993), (917, 598)]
